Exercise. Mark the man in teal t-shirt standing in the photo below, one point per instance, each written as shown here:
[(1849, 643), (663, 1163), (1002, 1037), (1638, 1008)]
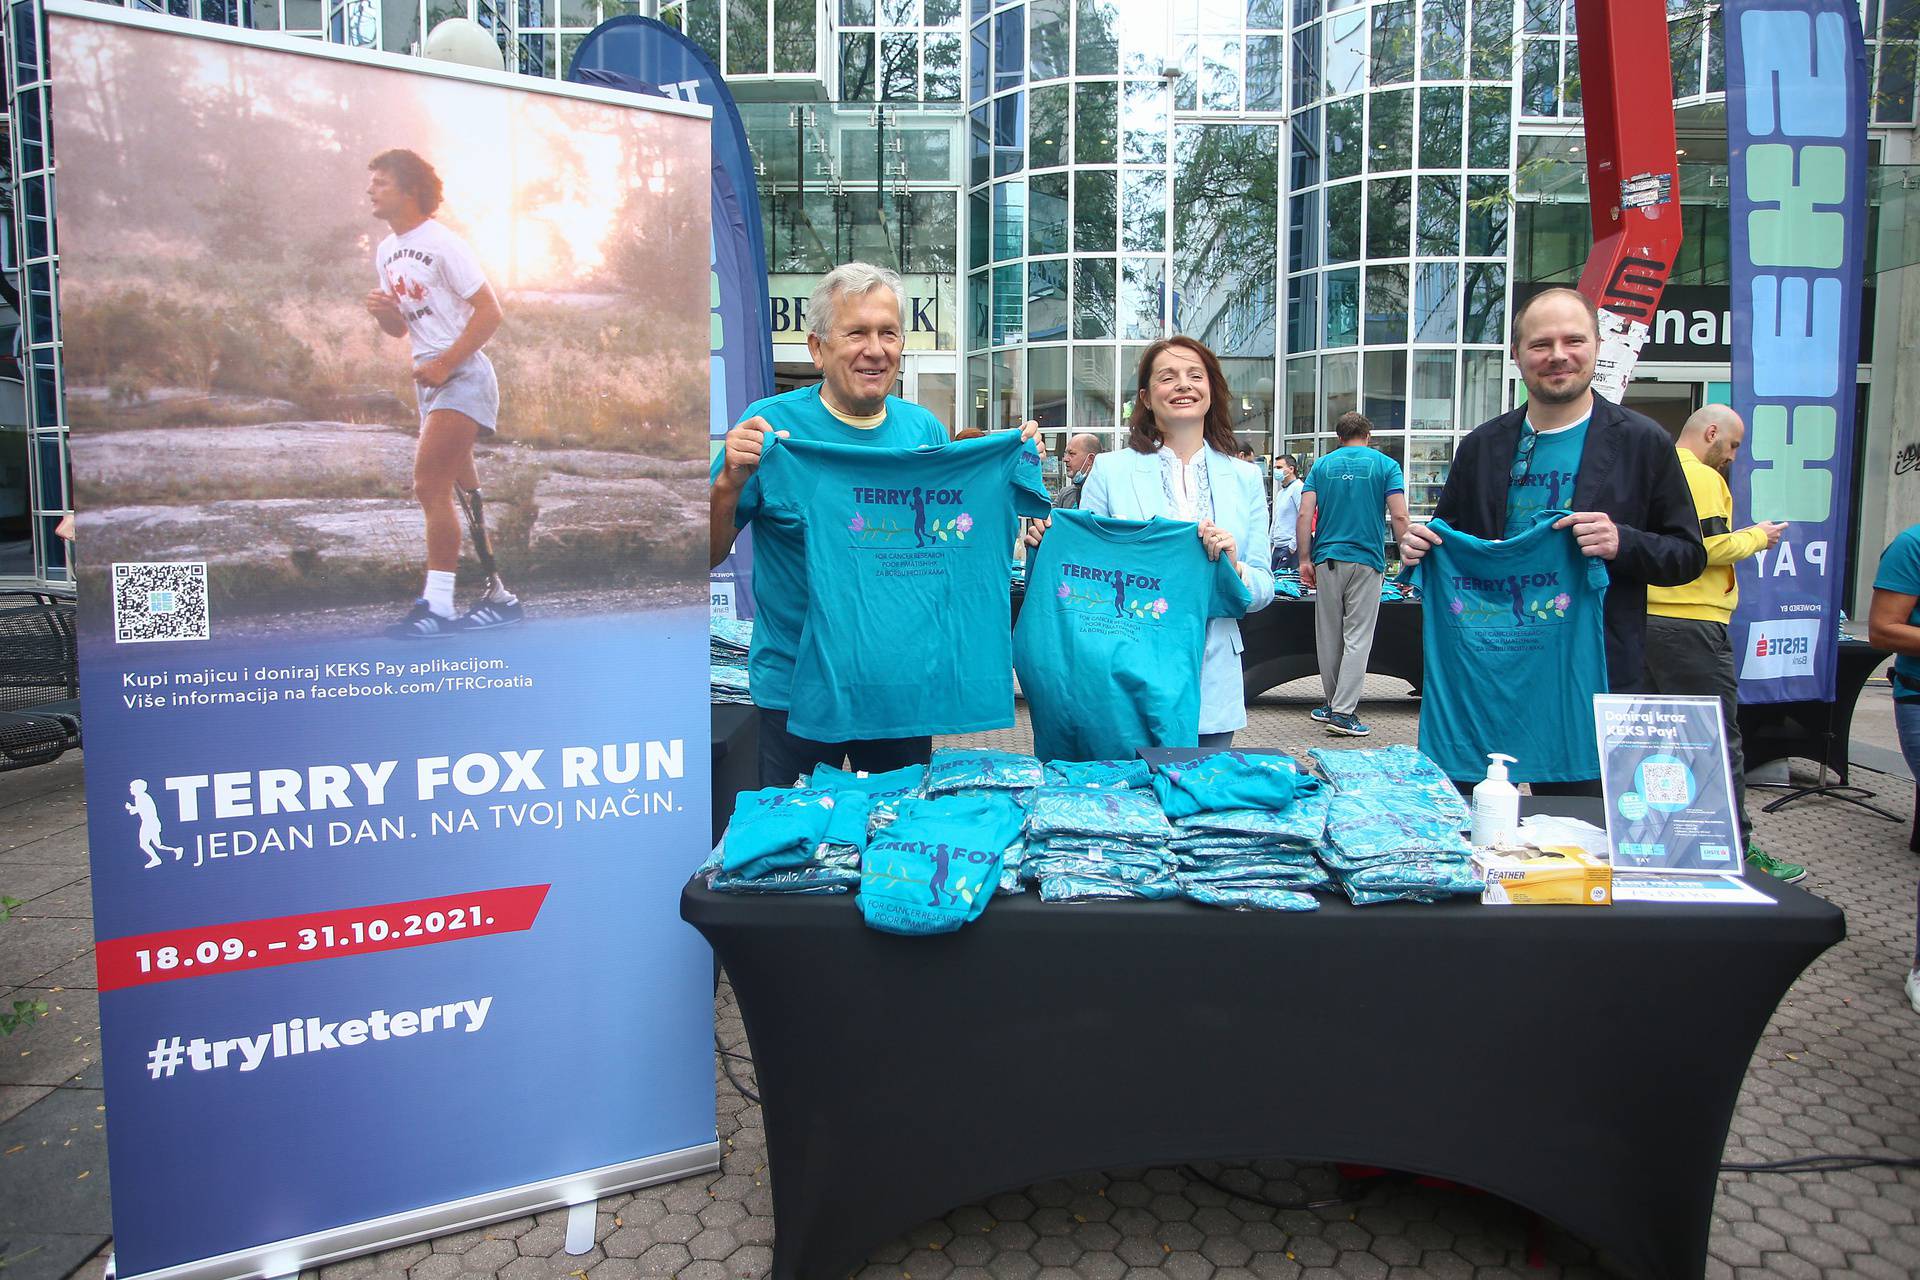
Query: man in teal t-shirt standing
[(1342, 558), (856, 336)]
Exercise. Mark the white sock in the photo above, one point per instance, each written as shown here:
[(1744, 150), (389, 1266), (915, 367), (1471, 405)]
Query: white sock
[(439, 592)]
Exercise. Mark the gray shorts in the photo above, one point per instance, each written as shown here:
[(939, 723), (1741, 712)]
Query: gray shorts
[(473, 390)]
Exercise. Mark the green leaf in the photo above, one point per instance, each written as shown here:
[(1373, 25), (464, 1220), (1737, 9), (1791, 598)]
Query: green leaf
[(943, 535)]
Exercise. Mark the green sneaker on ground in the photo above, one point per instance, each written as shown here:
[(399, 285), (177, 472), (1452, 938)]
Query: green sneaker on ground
[(1785, 872)]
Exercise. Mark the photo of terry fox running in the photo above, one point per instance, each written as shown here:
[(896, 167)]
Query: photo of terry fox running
[(433, 293)]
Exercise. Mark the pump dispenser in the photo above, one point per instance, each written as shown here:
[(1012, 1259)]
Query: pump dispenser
[(1496, 805)]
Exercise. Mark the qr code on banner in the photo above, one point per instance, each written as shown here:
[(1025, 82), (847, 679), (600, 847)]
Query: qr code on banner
[(160, 602), (1666, 782)]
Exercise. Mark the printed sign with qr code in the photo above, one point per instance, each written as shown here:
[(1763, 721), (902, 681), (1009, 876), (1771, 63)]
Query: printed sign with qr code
[(1666, 782), (160, 601)]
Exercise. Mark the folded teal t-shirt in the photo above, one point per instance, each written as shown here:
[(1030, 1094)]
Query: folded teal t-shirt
[(935, 867), (1229, 780)]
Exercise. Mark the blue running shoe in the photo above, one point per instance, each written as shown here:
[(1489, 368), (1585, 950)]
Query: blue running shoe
[(422, 623), (1348, 726), (1320, 714)]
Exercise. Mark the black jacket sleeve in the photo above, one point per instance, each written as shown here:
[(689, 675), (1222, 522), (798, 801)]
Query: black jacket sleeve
[(1462, 476), (1664, 550)]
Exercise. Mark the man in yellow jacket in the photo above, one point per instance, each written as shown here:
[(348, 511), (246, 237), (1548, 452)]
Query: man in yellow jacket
[(1687, 648)]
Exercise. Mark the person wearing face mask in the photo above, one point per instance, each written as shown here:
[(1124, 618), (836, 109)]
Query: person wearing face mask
[(1688, 651), (1180, 463), (1077, 461)]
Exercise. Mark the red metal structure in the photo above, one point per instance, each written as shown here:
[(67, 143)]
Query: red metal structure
[(1633, 179)]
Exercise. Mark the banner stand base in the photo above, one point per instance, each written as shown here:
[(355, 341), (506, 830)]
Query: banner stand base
[(580, 1220), (575, 1192)]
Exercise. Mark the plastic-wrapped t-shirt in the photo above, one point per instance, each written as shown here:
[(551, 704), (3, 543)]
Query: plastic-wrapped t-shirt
[(1246, 897), (933, 870), (963, 769), (1229, 780), (1099, 775), (1302, 824), (1361, 835), (1399, 776), (1073, 811)]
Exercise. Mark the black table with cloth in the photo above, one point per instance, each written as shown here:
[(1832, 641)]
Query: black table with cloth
[(1580, 1061)]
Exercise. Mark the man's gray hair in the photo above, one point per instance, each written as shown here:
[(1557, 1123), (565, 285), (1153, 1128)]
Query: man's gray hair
[(850, 280)]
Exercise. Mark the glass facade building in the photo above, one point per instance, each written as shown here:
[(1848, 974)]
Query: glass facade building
[(1343, 198)]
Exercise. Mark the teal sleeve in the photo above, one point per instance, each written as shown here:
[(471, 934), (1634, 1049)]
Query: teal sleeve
[(1899, 570), (1230, 595), (1396, 478), (1307, 485), (1030, 496), (1597, 576)]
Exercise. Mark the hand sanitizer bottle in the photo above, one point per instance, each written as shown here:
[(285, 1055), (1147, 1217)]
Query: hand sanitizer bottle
[(1496, 805)]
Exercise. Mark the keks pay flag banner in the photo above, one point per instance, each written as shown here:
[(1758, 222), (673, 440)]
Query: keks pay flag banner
[(388, 389), (1797, 160)]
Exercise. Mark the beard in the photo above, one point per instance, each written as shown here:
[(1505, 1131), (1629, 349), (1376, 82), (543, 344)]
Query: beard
[(1575, 389)]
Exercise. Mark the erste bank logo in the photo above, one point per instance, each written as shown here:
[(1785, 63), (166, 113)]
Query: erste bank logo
[(1781, 648)]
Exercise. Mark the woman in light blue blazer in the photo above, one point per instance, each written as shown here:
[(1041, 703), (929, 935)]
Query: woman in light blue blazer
[(1179, 463)]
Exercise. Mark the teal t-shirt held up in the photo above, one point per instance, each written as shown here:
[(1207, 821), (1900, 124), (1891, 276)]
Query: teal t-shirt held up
[(1543, 474), (906, 587), (1112, 633), (1515, 649), (779, 550), (1350, 488)]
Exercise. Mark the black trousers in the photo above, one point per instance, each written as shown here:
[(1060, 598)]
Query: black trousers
[(785, 757), (1692, 656)]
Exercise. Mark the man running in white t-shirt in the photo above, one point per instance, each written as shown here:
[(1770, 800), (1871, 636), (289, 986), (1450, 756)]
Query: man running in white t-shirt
[(433, 292)]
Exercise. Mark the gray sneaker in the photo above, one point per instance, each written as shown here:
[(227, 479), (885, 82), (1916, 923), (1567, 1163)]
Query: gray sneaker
[(1348, 726)]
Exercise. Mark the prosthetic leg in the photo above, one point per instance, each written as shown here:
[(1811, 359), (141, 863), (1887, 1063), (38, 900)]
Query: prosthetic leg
[(499, 607)]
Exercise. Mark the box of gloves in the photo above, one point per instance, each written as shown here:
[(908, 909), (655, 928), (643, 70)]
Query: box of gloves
[(1557, 875)]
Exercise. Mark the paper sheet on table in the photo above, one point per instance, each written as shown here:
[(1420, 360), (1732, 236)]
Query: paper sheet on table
[(1633, 886)]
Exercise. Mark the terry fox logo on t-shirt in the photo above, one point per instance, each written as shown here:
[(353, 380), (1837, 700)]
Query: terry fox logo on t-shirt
[(1521, 598), (1134, 595), (921, 512)]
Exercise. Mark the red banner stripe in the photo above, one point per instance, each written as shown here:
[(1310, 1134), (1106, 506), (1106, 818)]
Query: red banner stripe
[(319, 935)]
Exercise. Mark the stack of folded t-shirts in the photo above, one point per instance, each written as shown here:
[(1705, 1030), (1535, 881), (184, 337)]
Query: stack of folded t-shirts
[(728, 640), (1085, 844), (1245, 830), (1393, 827), (791, 840), (1401, 776), (1254, 857), (977, 772)]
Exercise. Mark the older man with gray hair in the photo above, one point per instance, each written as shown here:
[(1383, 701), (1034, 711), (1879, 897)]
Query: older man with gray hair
[(1687, 648), (855, 335)]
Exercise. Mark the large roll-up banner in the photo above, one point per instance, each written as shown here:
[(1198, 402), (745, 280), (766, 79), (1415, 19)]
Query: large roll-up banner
[(1797, 164), (647, 56), (387, 923)]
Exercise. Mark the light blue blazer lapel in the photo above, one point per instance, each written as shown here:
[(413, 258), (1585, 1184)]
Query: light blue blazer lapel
[(1149, 495)]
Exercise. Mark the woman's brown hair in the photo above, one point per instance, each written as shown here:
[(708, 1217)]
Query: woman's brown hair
[(1145, 436)]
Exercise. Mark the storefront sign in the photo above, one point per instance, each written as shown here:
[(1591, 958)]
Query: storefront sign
[(385, 894), (1797, 164), (1693, 324), (929, 319), (1669, 793)]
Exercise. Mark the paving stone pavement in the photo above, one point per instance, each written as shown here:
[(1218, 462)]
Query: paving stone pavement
[(1837, 1071)]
